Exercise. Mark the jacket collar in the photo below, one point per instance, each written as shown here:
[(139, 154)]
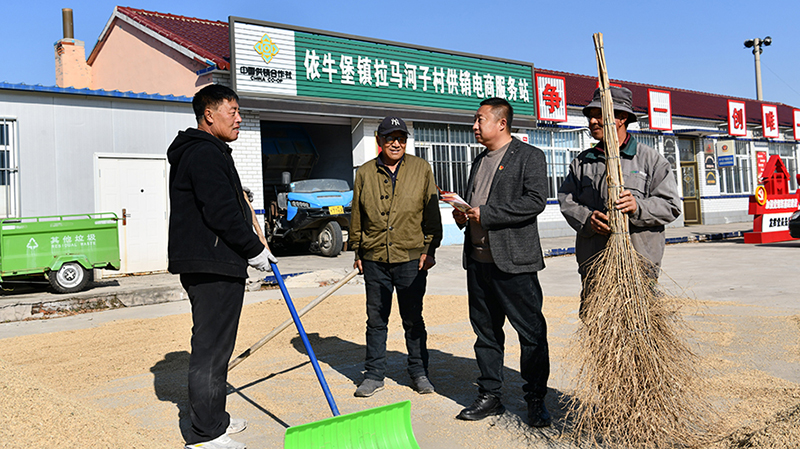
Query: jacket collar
[(379, 162), (512, 147), (205, 135)]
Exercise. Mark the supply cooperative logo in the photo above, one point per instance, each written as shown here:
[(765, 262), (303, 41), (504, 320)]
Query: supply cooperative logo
[(266, 48)]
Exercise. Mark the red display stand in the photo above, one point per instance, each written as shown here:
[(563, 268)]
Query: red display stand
[(772, 205)]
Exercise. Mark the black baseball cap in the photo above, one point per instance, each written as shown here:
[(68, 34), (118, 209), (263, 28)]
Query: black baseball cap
[(390, 125)]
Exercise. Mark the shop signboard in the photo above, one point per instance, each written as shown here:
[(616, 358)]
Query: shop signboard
[(660, 109), (710, 164), (273, 60), (769, 121), (708, 159), (551, 97), (761, 162), (796, 114), (737, 119), (725, 151)]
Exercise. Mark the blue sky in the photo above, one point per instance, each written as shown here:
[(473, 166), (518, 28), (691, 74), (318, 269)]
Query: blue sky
[(695, 45)]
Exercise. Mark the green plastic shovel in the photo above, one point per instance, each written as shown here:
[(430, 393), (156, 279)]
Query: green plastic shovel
[(386, 427)]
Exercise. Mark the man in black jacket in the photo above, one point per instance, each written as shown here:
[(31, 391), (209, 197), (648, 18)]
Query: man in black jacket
[(211, 244), (507, 190)]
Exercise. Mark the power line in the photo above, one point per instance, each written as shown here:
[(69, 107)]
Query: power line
[(784, 82)]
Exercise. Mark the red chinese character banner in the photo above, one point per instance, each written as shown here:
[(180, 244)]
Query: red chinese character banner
[(660, 108), (551, 98), (796, 113), (769, 121), (737, 126), (761, 162)]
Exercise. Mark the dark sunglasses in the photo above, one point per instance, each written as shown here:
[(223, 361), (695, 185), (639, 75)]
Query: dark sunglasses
[(401, 139)]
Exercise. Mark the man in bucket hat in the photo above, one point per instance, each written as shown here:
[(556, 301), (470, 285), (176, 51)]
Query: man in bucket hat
[(395, 228), (650, 195)]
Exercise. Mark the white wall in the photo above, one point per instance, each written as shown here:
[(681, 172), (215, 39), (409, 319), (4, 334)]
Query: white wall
[(364, 146), (59, 133), (247, 156)]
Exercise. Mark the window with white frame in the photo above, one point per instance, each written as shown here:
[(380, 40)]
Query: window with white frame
[(8, 157), (5, 142), (450, 150), (669, 151), (560, 147), (787, 152), (737, 178), (647, 139)]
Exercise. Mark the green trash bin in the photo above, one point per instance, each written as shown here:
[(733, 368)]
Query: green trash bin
[(65, 248)]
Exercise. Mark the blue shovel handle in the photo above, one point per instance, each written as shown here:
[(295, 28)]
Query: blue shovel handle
[(306, 343)]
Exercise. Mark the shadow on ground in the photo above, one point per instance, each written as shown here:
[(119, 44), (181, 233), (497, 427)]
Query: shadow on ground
[(22, 288), (453, 376), (170, 384), (170, 377), (40, 284)]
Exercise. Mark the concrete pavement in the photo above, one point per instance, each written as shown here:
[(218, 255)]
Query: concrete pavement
[(746, 319), (38, 302)]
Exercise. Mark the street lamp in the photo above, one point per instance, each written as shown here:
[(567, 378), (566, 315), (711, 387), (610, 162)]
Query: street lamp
[(756, 44)]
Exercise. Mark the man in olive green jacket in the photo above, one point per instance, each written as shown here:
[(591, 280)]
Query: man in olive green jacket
[(395, 228)]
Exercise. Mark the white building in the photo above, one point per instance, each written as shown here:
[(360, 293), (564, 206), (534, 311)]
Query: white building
[(77, 151), (313, 99)]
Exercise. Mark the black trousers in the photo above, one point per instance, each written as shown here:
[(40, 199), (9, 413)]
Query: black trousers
[(381, 279), (216, 306), (493, 296)]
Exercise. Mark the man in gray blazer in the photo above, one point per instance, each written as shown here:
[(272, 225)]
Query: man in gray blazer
[(507, 190)]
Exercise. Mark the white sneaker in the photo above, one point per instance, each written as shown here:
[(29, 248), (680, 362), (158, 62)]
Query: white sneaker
[(236, 426), (222, 442)]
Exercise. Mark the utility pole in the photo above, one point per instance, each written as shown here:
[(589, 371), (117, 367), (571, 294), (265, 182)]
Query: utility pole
[(756, 45)]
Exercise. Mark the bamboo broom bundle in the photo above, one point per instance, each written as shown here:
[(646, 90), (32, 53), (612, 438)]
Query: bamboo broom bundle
[(638, 382)]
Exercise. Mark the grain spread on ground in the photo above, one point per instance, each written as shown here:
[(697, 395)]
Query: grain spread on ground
[(123, 384)]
